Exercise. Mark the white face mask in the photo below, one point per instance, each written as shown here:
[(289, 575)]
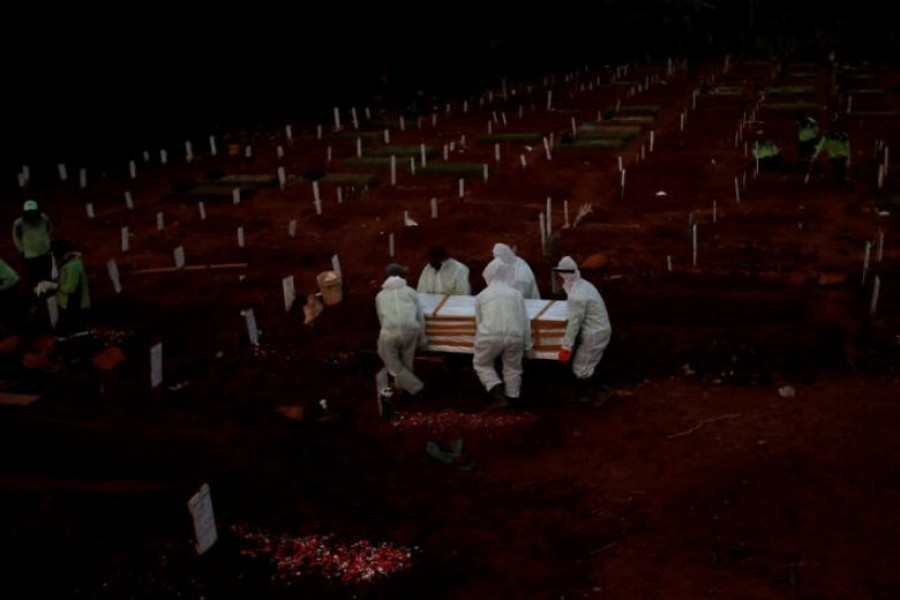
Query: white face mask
[(568, 280)]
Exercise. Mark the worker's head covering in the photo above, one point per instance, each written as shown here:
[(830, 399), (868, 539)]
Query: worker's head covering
[(505, 253), (61, 248), (437, 255), (396, 270), (30, 205), (393, 282), (567, 268), (497, 271)]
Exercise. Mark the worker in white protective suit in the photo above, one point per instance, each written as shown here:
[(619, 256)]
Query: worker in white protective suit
[(587, 329), (523, 277), (444, 275), (502, 329), (402, 330)]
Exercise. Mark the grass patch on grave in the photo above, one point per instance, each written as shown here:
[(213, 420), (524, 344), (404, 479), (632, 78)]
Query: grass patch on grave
[(790, 106), (726, 90), (245, 181), (791, 90), (351, 179), (369, 162), (352, 134), (401, 151), (529, 137), (631, 119), (633, 111), (609, 132), (569, 142), (452, 169)]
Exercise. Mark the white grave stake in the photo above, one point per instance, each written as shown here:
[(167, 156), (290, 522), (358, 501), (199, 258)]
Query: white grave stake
[(484, 169), (336, 264), (240, 237), (353, 117), (715, 211), (434, 210), (393, 169), (292, 228), (340, 195), (200, 506), (547, 148), (129, 201), (188, 151), (289, 133), (490, 128), (880, 176), (621, 166), (282, 177), (423, 154), (522, 160), (391, 245), (156, 358), (63, 174), (125, 239), (542, 221), (279, 151), (387, 136), (318, 205), (549, 216), (669, 263), (212, 145), (89, 207), (681, 121), (873, 304), (412, 165), (402, 123), (694, 244), (737, 190), (446, 152), (879, 248), (248, 151), (236, 195), (202, 208), (160, 222), (113, 269), (865, 269), (622, 183), (287, 288), (82, 178), (337, 119), (574, 127), (252, 329), (497, 152), (462, 188), (566, 224), (358, 147), (652, 139), (52, 310), (328, 154), (163, 157), (179, 257), (132, 169)]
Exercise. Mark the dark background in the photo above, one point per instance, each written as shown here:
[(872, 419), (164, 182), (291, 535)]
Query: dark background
[(86, 85)]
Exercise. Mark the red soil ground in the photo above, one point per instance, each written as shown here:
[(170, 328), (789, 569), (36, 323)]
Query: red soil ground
[(697, 478)]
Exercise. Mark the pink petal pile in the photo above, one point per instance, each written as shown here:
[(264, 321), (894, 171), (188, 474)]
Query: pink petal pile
[(324, 555)]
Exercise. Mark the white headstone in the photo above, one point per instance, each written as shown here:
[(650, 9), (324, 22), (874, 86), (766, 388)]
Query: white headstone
[(156, 358), (201, 508), (287, 288), (179, 257), (113, 269), (252, 329)]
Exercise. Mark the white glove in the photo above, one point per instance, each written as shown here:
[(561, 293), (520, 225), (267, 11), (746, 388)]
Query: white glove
[(44, 287)]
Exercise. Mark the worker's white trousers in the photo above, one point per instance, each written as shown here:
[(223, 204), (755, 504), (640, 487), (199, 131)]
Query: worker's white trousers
[(588, 354), (397, 351), (510, 350)]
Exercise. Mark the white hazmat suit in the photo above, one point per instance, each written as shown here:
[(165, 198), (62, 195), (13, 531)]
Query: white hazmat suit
[(502, 328), (452, 278), (588, 329), (402, 329), (522, 277)]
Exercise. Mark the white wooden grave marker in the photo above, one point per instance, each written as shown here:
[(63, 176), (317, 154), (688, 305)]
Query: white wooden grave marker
[(212, 145), (156, 358), (188, 151), (82, 178), (337, 119), (132, 169), (240, 237), (434, 210), (287, 288), (129, 201), (202, 208), (63, 174), (201, 509), (125, 239), (236, 195), (179, 257), (876, 287), (292, 228), (336, 264), (163, 156), (89, 207), (160, 221), (113, 269), (282, 177)]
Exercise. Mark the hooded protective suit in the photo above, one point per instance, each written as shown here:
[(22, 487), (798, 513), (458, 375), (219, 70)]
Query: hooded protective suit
[(452, 278), (402, 329), (502, 328), (522, 277), (588, 325)]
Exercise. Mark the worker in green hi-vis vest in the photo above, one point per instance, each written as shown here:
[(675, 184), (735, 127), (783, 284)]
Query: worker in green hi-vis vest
[(766, 153), (836, 145)]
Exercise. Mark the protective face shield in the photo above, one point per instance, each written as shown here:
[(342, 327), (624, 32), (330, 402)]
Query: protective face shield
[(567, 269)]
